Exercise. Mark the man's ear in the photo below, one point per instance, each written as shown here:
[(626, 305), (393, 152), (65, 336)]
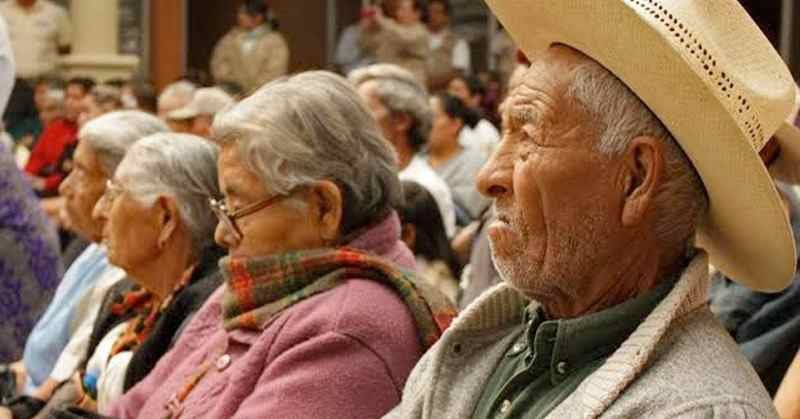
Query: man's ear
[(326, 197), (168, 218), (644, 167)]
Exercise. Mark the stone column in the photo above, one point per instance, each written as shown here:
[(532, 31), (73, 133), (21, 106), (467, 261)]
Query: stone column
[(95, 37)]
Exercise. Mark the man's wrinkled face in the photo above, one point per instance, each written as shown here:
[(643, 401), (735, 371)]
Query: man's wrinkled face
[(555, 196)]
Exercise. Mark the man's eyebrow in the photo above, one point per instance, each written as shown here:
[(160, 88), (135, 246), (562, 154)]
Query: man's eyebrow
[(521, 114)]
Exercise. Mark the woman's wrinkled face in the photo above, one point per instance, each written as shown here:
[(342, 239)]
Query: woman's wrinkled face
[(282, 227), (81, 190), (131, 228)]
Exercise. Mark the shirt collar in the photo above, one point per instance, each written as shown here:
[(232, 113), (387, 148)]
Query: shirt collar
[(563, 346)]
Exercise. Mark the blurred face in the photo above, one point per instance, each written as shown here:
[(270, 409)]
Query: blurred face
[(124, 218), (458, 88), (91, 110), (391, 130), (74, 102), (437, 16), (556, 198), (406, 13), (280, 227), (201, 126), (445, 129), (81, 190), (180, 125), (247, 21), (50, 112), (40, 95)]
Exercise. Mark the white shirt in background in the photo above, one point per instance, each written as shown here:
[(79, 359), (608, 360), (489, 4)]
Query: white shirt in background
[(421, 172)]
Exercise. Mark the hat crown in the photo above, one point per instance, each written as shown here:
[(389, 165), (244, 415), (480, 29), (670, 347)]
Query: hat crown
[(733, 57)]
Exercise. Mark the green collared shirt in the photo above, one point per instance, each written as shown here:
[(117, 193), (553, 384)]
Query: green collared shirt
[(550, 358)]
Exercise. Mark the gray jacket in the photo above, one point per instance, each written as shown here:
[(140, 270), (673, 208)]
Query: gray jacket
[(678, 363)]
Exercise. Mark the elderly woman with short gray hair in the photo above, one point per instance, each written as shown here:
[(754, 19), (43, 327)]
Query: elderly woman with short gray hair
[(159, 229), (318, 316)]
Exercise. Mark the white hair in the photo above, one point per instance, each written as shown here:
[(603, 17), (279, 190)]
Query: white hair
[(400, 92), (310, 127), (111, 135), (181, 91), (181, 166), (621, 116)]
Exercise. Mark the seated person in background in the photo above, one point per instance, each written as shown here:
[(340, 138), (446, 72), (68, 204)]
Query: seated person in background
[(483, 135), (54, 349), (400, 106), (401, 39), (252, 53), (175, 96), (102, 99), (44, 163), (449, 54), (159, 228), (765, 325), (21, 118), (423, 233), (317, 317), (198, 115), (30, 267), (456, 164)]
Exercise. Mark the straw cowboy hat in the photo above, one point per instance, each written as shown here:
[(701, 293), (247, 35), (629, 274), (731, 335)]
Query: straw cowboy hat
[(710, 75)]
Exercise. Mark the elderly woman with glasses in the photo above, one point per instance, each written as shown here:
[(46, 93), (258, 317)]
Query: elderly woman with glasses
[(319, 316)]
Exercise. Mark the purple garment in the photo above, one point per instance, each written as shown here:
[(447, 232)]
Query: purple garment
[(30, 264), (343, 353)]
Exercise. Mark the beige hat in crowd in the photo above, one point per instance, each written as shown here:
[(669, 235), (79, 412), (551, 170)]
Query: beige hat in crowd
[(714, 80), (206, 101)]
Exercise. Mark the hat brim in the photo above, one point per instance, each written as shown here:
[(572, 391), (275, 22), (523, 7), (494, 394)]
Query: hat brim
[(787, 167), (181, 114), (746, 231)]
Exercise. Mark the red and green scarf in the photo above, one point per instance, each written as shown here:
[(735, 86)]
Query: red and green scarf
[(259, 289)]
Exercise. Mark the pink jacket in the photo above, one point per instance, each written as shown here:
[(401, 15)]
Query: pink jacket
[(344, 353)]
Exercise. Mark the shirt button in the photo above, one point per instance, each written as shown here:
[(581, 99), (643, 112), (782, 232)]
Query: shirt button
[(505, 408), (561, 367), (518, 347), (223, 362)]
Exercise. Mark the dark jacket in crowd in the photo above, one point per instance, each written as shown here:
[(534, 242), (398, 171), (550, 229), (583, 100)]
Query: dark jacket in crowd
[(766, 326)]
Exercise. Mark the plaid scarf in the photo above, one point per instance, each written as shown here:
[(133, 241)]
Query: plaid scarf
[(258, 289), (148, 311)]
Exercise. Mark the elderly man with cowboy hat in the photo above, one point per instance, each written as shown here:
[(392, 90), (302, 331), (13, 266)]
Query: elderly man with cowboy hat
[(635, 153)]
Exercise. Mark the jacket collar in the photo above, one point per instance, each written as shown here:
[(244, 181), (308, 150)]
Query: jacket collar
[(502, 307)]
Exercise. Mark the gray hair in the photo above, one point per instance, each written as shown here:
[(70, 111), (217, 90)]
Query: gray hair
[(310, 127), (181, 166), (400, 91), (621, 116), (111, 135), (181, 90), (107, 97)]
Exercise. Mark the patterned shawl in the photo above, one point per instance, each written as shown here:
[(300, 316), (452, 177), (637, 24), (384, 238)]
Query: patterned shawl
[(260, 288)]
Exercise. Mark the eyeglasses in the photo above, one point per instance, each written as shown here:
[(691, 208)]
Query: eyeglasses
[(228, 217)]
